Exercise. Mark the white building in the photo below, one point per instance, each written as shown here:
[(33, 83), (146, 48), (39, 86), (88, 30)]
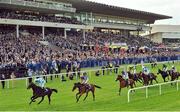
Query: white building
[(165, 34)]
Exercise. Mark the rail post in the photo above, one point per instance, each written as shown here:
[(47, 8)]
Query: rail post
[(160, 92), (8, 84), (26, 82), (128, 95), (177, 84)]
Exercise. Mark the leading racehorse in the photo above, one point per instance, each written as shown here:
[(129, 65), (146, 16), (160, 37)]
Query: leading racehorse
[(83, 89), (39, 92), (123, 84)]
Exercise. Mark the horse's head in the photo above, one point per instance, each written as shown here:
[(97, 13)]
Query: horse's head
[(119, 77), (76, 85), (31, 85)]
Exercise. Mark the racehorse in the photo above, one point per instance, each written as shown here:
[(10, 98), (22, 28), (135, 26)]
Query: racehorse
[(147, 78), (134, 77), (83, 89), (163, 74), (174, 75), (123, 84), (39, 92)]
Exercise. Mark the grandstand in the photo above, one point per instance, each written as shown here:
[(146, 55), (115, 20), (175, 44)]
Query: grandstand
[(68, 30), (59, 40)]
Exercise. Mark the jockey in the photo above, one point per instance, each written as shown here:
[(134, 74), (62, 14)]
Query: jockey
[(146, 71), (173, 69), (165, 68), (125, 76), (40, 82), (84, 80), (130, 68)]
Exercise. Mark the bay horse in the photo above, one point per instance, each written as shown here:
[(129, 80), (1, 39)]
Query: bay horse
[(40, 92), (123, 84), (163, 74), (83, 89), (147, 78), (174, 75)]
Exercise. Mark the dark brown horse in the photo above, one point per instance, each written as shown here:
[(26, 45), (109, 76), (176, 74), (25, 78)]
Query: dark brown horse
[(148, 78), (84, 89), (39, 92), (123, 83), (134, 77), (174, 75), (163, 74)]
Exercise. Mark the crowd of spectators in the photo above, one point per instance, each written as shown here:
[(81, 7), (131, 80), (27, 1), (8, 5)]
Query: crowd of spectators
[(27, 52), (31, 16)]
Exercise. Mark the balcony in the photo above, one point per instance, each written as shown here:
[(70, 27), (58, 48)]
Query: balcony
[(32, 4)]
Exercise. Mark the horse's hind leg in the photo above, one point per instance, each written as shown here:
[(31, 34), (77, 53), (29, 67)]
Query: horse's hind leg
[(41, 100), (86, 96), (164, 79), (49, 98), (93, 95)]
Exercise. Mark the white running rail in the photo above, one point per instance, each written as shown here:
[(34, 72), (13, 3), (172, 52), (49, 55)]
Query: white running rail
[(146, 88)]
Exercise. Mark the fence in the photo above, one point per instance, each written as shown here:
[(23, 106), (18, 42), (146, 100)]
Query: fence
[(88, 71), (150, 86)]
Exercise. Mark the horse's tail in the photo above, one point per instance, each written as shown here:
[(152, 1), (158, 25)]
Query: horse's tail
[(97, 86), (55, 90)]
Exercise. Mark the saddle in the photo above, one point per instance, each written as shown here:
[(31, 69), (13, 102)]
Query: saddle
[(45, 90), (87, 86)]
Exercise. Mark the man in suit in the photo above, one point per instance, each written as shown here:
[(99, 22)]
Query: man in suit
[(2, 80)]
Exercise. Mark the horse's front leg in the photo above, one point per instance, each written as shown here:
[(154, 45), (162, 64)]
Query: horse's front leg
[(77, 95), (86, 96), (151, 82), (32, 100), (41, 100), (78, 98), (119, 91)]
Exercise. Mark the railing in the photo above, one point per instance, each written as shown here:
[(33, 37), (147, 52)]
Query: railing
[(39, 5), (150, 86)]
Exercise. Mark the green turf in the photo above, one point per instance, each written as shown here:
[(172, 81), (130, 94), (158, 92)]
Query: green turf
[(107, 98)]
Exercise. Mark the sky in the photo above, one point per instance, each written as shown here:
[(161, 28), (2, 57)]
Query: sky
[(165, 7)]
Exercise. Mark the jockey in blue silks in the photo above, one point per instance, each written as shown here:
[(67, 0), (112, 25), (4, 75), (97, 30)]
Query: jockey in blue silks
[(125, 76), (84, 80), (40, 82), (146, 71)]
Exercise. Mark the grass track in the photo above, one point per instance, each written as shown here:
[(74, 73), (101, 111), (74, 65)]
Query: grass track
[(107, 99)]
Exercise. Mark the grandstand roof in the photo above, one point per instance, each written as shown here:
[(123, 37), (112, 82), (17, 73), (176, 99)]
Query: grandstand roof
[(88, 6)]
